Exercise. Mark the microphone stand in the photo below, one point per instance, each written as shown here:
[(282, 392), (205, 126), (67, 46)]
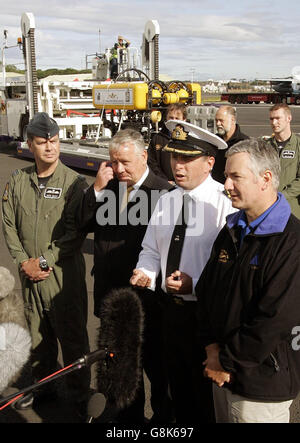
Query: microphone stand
[(82, 362)]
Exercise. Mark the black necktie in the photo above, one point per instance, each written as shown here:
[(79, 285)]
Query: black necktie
[(177, 238)]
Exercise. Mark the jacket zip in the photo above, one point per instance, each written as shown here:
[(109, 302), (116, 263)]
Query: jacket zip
[(39, 196), (275, 363)]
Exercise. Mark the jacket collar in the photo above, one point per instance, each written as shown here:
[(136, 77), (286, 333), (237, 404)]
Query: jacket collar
[(237, 133), (55, 176), (291, 141), (236, 136), (274, 222)]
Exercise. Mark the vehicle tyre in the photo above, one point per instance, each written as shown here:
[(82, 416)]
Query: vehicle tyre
[(23, 126)]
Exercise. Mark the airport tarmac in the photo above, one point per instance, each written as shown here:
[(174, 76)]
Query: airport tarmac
[(253, 120)]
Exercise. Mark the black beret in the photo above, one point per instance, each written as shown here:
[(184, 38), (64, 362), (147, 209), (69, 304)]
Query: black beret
[(41, 125)]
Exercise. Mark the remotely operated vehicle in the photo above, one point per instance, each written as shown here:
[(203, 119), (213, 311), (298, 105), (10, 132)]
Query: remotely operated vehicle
[(90, 111)]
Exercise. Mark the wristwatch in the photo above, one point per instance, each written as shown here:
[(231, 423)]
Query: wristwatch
[(43, 263)]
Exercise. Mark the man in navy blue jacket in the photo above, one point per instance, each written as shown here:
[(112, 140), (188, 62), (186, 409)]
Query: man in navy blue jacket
[(248, 294)]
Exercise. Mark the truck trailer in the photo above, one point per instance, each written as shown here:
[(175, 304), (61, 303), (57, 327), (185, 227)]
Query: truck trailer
[(261, 97)]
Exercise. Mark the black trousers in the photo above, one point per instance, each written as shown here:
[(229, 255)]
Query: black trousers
[(154, 359), (191, 392)]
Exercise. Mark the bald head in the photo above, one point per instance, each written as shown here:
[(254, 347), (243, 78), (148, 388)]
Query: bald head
[(226, 121)]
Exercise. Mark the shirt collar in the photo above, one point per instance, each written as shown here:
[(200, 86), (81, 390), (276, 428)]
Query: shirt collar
[(142, 179), (200, 191), (242, 219)]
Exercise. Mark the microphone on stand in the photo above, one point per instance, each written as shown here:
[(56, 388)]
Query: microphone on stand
[(118, 355)]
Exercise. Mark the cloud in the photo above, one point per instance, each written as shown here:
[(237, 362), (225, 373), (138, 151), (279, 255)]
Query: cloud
[(233, 38)]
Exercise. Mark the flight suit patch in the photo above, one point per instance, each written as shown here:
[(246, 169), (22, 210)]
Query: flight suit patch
[(52, 193), (288, 154), (5, 193)]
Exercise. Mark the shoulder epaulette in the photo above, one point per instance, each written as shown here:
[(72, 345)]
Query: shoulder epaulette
[(266, 137)]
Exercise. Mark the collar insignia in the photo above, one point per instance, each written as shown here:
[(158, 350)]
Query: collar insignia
[(223, 256)]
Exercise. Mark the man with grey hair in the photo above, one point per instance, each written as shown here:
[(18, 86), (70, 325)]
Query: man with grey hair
[(248, 294), (117, 208), (228, 130)]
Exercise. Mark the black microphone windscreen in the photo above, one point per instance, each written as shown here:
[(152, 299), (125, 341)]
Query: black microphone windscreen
[(96, 405), (121, 330)]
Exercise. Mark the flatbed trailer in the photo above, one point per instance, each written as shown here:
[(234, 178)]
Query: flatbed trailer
[(82, 155), (265, 97)]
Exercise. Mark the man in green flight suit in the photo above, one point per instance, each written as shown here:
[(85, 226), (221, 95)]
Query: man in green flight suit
[(38, 208), (287, 144)]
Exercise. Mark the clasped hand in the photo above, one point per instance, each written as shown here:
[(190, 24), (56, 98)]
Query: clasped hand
[(31, 269), (213, 368)]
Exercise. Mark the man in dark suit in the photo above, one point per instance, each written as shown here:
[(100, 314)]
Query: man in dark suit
[(117, 208)]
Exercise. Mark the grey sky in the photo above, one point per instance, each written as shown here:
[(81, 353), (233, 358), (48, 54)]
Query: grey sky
[(241, 39)]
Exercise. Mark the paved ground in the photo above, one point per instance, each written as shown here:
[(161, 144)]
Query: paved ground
[(254, 121), (60, 411)]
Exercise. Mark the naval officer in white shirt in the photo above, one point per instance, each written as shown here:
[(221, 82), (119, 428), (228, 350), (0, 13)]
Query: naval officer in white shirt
[(177, 243)]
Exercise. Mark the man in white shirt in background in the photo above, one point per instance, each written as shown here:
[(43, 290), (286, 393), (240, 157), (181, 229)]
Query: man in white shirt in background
[(206, 206)]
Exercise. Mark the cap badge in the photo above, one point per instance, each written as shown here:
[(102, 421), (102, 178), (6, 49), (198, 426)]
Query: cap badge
[(179, 133)]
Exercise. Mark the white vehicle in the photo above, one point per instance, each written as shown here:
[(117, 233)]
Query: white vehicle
[(21, 97)]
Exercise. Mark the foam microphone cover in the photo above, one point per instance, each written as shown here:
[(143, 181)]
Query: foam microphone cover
[(121, 331), (14, 353)]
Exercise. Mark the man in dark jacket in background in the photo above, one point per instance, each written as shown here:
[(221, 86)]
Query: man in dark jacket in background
[(117, 208), (248, 294), (229, 131), (158, 159)]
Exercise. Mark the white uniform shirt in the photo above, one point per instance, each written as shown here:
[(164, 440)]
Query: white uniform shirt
[(208, 209)]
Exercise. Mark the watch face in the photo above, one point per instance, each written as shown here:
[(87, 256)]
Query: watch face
[(43, 264)]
